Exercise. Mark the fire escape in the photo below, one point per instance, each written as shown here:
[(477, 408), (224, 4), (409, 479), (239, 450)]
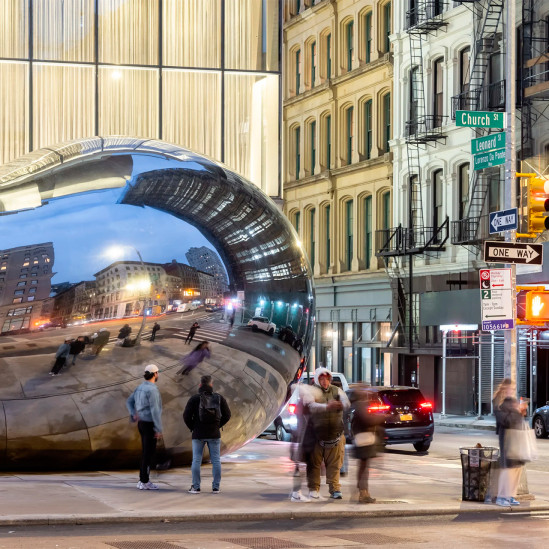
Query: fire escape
[(479, 95), (399, 245), (533, 77)]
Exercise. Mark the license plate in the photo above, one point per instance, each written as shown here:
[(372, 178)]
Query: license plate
[(405, 417)]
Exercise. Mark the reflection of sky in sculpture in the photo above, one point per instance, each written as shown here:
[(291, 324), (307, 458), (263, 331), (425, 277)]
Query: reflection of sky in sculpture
[(158, 236)]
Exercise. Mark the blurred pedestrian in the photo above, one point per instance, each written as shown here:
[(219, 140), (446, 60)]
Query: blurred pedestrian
[(302, 444), (192, 331), (326, 404), (61, 357), (101, 340), (155, 329), (509, 417), (205, 414), (195, 357), (145, 407), (76, 347), (123, 334), (231, 320), (366, 430)]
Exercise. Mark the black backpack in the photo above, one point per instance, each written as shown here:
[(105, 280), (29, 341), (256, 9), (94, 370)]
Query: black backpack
[(209, 410)]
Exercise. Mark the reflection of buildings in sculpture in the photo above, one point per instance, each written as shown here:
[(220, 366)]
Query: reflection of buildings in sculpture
[(207, 261), (209, 290), (123, 287), (25, 281), (74, 303)]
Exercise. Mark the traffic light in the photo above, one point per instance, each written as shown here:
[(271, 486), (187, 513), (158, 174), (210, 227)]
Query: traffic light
[(538, 204), (537, 306)]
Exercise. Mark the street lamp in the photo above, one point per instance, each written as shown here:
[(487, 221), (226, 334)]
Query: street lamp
[(118, 251)]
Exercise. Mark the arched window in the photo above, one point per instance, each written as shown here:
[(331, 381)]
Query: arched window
[(348, 132), (348, 233), (368, 125), (386, 27), (438, 93), (295, 151), (326, 141), (348, 48), (463, 190), (385, 122), (437, 207), (366, 36), (312, 147), (368, 231), (312, 243)]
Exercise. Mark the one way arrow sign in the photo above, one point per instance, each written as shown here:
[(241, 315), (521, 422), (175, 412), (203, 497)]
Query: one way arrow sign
[(505, 220), (512, 252)]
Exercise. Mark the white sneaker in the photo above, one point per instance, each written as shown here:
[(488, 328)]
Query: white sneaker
[(140, 486), (149, 486), (315, 494), (299, 497)]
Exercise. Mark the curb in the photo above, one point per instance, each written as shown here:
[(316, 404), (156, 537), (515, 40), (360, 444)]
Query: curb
[(43, 520), (465, 426)]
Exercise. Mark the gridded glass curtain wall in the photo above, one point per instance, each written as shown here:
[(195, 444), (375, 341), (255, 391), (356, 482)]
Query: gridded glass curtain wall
[(203, 74)]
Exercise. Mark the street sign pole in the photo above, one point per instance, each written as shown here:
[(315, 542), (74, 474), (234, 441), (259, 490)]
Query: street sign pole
[(510, 201)]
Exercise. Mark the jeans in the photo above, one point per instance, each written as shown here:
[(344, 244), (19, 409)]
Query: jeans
[(148, 444), (214, 447)]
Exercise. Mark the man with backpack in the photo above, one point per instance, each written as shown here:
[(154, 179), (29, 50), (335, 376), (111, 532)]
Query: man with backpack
[(205, 414)]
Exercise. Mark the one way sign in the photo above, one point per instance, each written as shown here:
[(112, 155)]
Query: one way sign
[(505, 220), (512, 252)]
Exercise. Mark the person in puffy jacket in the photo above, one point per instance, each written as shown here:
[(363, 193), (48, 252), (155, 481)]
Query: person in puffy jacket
[(195, 357)]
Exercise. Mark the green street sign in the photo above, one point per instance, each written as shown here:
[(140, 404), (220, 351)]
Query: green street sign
[(488, 143), (489, 159), (480, 119)]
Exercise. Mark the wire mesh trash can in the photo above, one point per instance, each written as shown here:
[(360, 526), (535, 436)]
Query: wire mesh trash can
[(476, 466)]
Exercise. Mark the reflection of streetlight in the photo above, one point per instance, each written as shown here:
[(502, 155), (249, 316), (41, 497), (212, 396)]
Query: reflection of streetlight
[(116, 252)]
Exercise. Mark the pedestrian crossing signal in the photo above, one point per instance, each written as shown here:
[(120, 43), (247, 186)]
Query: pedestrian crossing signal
[(537, 306)]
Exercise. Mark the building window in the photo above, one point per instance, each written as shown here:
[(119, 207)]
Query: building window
[(17, 300), (368, 230), (386, 22), (349, 134), (297, 153), (348, 234), (437, 199), (386, 210), (368, 37), (464, 69), (297, 219), (463, 176), (493, 192), (297, 71), (21, 284), (313, 64), (349, 39), (386, 105), (328, 141), (328, 240), (329, 55), (30, 298), (414, 101), (438, 95), (312, 214), (368, 129), (312, 146)]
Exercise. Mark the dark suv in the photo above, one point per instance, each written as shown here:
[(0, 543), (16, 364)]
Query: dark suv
[(408, 417)]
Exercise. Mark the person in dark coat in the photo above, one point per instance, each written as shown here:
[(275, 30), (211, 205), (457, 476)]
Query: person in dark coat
[(76, 347), (155, 329), (61, 357), (205, 428), (366, 429), (124, 332), (192, 331), (509, 415)]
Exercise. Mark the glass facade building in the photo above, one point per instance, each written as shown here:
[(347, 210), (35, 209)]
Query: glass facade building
[(203, 74)]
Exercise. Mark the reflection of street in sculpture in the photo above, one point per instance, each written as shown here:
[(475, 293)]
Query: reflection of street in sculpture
[(61, 357), (195, 357), (192, 332), (100, 340)]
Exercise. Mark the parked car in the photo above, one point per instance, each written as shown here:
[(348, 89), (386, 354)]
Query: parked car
[(540, 421), (286, 423), (262, 323), (408, 416), (288, 335)]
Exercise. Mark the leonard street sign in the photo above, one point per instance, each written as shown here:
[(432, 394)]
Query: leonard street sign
[(480, 119), (504, 220), (488, 143), (513, 252)]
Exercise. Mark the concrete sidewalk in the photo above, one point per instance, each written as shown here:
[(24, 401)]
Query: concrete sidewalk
[(487, 423), (256, 484)]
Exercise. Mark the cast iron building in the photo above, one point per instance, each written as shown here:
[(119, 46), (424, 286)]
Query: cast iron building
[(201, 74)]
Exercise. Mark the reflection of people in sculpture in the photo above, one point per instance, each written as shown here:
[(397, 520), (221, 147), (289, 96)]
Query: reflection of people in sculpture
[(124, 332), (195, 357), (155, 329), (101, 340), (192, 331), (76, 347), (60, 357)]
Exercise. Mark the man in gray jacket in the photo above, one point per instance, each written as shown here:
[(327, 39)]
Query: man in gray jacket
[(145, 407)]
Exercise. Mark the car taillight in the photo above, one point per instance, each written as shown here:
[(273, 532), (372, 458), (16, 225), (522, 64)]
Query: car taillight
[(379, 408), (291, 408), (426, 406)]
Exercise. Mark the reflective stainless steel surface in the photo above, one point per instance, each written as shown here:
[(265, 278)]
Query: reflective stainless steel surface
[(93, 236)]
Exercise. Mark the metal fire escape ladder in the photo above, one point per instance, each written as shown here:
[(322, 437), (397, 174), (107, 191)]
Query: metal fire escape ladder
[(466, 231)]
